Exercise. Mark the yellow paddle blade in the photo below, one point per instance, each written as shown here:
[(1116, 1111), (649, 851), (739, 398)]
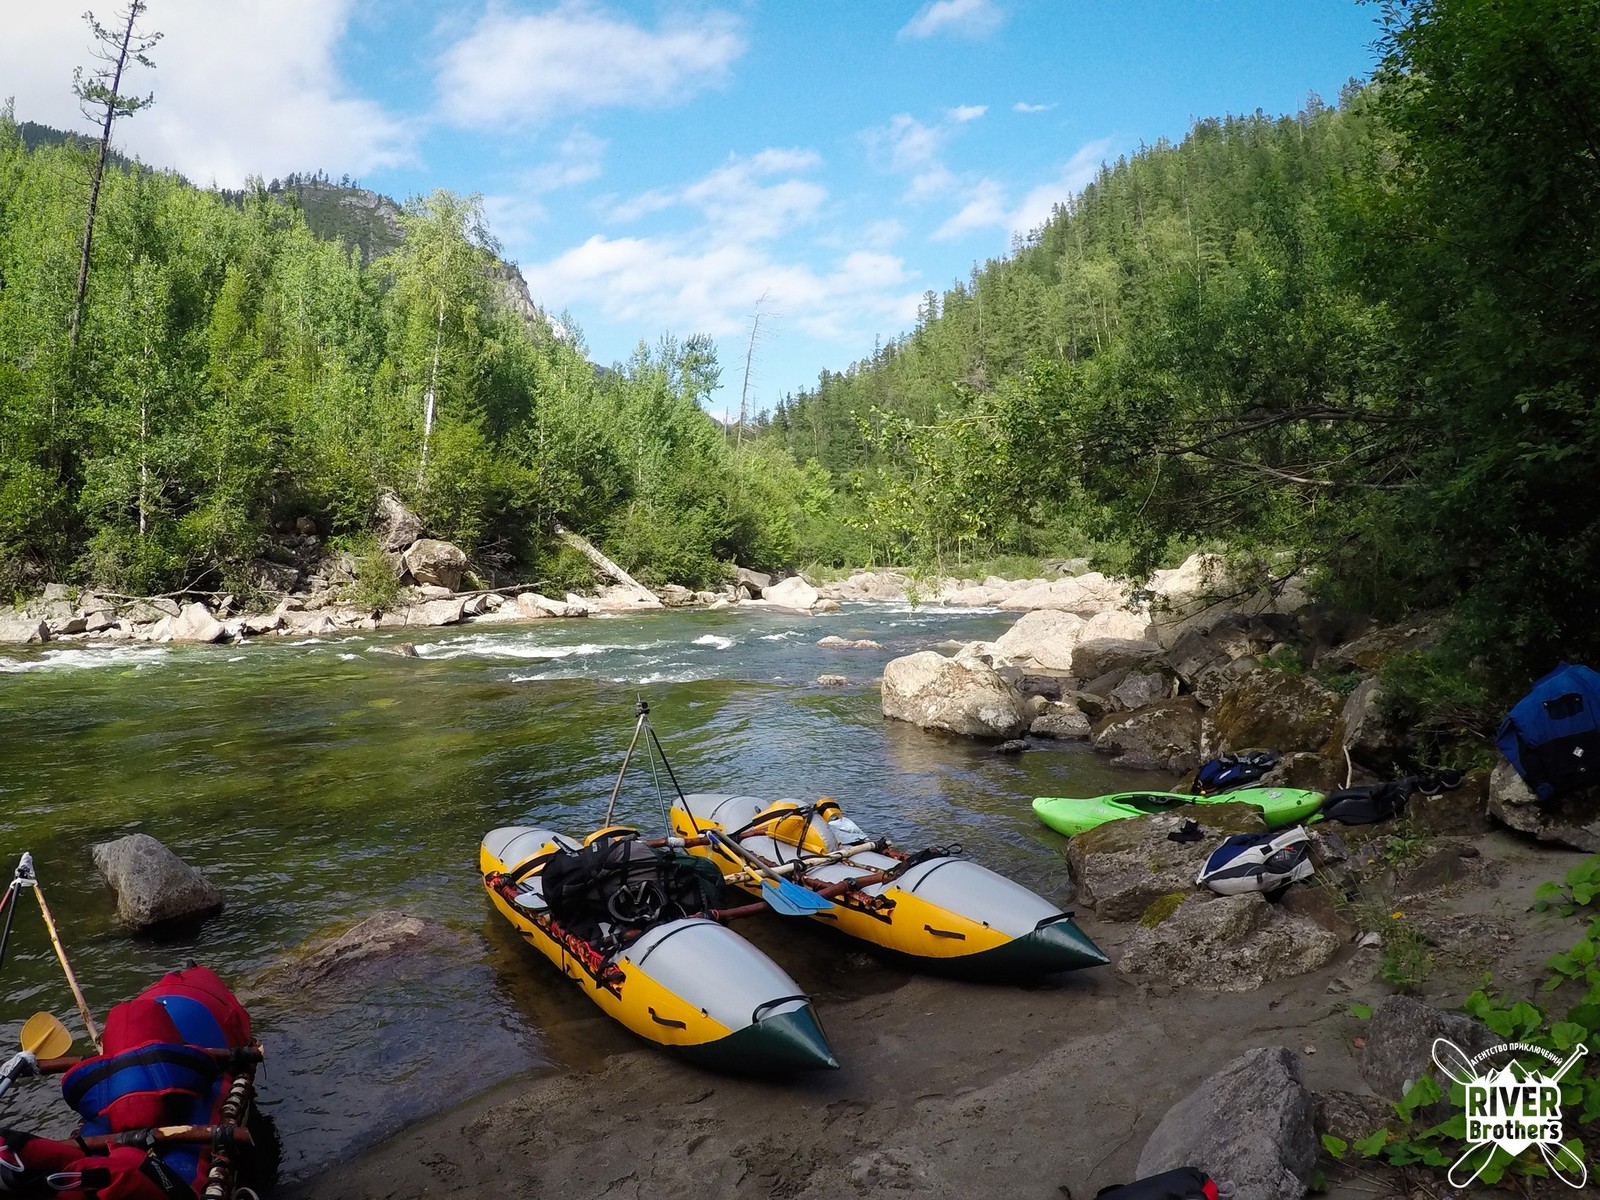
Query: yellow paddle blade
[(45, 1037)]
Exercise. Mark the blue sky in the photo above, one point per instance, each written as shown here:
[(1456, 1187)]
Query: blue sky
[(676, 168)]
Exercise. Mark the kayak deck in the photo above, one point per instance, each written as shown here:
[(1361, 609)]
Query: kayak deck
[(1069, 815)]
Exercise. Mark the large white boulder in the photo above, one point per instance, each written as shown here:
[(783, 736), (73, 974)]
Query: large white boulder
[(196, 624), (793, 592), (960, 695), (432, 561), (1082, 594), (1043, 638)]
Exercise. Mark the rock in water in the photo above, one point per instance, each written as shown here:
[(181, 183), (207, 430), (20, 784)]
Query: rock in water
[(1252, 1123), (960, 695), (152, 884)]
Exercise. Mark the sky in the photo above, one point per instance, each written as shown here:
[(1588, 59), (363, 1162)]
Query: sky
[(786, 176)]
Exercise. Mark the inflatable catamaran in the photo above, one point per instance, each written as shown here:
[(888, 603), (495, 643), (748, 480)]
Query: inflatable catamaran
[(633, 925), (931, 908)]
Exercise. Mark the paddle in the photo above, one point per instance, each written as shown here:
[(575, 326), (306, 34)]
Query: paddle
[(42, 1037), (781, 895)]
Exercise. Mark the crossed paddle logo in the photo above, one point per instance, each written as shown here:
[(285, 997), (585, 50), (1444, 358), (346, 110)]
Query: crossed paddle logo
[(1510, 1109)]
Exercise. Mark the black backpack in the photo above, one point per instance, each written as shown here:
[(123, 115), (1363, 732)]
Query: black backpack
[(617, 886)]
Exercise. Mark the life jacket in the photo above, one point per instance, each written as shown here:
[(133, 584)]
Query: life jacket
[(1229, 771), (45, 1167), (1258, 862), (153, 1069), (1552, 735)]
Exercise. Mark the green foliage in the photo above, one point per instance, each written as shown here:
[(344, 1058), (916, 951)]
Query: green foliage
[(1407, 1144), (1445, 702), (1404, 959)]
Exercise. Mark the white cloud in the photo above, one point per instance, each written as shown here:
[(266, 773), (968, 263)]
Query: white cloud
[(1073, 177), (1022, 106), (963, 18), (521, 68), (987, 206), (966, 112), (711, 286), (745, 199), (906, 143), (248, 87)]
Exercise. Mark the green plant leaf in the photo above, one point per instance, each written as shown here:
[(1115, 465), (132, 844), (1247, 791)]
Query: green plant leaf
[(1567, 1034), (1361, 1012), (1335, 1146), (1372, 1145)]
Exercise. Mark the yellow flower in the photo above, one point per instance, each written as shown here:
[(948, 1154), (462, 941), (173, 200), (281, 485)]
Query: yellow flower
[(1394, 916)]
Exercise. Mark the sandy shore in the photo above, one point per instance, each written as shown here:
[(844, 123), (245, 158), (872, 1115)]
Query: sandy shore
[(948, 1088)]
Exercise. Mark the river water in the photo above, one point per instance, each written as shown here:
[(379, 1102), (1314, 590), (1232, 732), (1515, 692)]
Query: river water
[(319, 781)]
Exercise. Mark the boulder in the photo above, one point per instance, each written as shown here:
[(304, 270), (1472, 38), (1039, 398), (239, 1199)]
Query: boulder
[(1219, 640), (274, 577), (675, 596), (834, 642), (436, 612), (1463, 810), (827, 605), (1399, 1044), (99, 620), (1569, 820), (1123, 867), (1061, 721), (1042, 639), (17, 629), (152, 884), (308, 624), (750, 583), (1226, 944), (1159, 737), (534, 606), (144, 612), (833, 681), (1371, 651), (1082, 594), (961, 695), (1370, 737), (379, 945), (1096, 656), (1302, 769), (1138, 689), (1253, 1123), (258, 623), (793, 592), (395, 525), (435, 562), (1214, 681), (196, 624), (1274, 708), (1351, 1116)]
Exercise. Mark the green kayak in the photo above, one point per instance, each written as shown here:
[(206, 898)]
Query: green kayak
[(1279, 806)]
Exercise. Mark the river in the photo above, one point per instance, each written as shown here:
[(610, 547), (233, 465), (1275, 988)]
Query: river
[(318, 781)]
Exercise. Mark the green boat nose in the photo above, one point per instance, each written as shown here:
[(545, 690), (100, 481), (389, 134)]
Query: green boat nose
[(1056, 944), (787, 1041)]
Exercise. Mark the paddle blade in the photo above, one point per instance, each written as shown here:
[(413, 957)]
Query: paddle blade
[(45, 1037), (1566, 1165), (1453, 1061), (791, 899)]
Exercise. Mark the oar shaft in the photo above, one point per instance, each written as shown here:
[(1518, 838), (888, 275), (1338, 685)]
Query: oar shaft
[(805, 864), (66, 968), (626, 758)]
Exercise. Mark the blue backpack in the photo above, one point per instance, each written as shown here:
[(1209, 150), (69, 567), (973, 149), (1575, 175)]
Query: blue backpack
[(1552, 735), (1232, 771)]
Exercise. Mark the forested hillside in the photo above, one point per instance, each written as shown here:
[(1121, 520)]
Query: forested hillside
[(1358, 341), (236, 373), (1361, 341)]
